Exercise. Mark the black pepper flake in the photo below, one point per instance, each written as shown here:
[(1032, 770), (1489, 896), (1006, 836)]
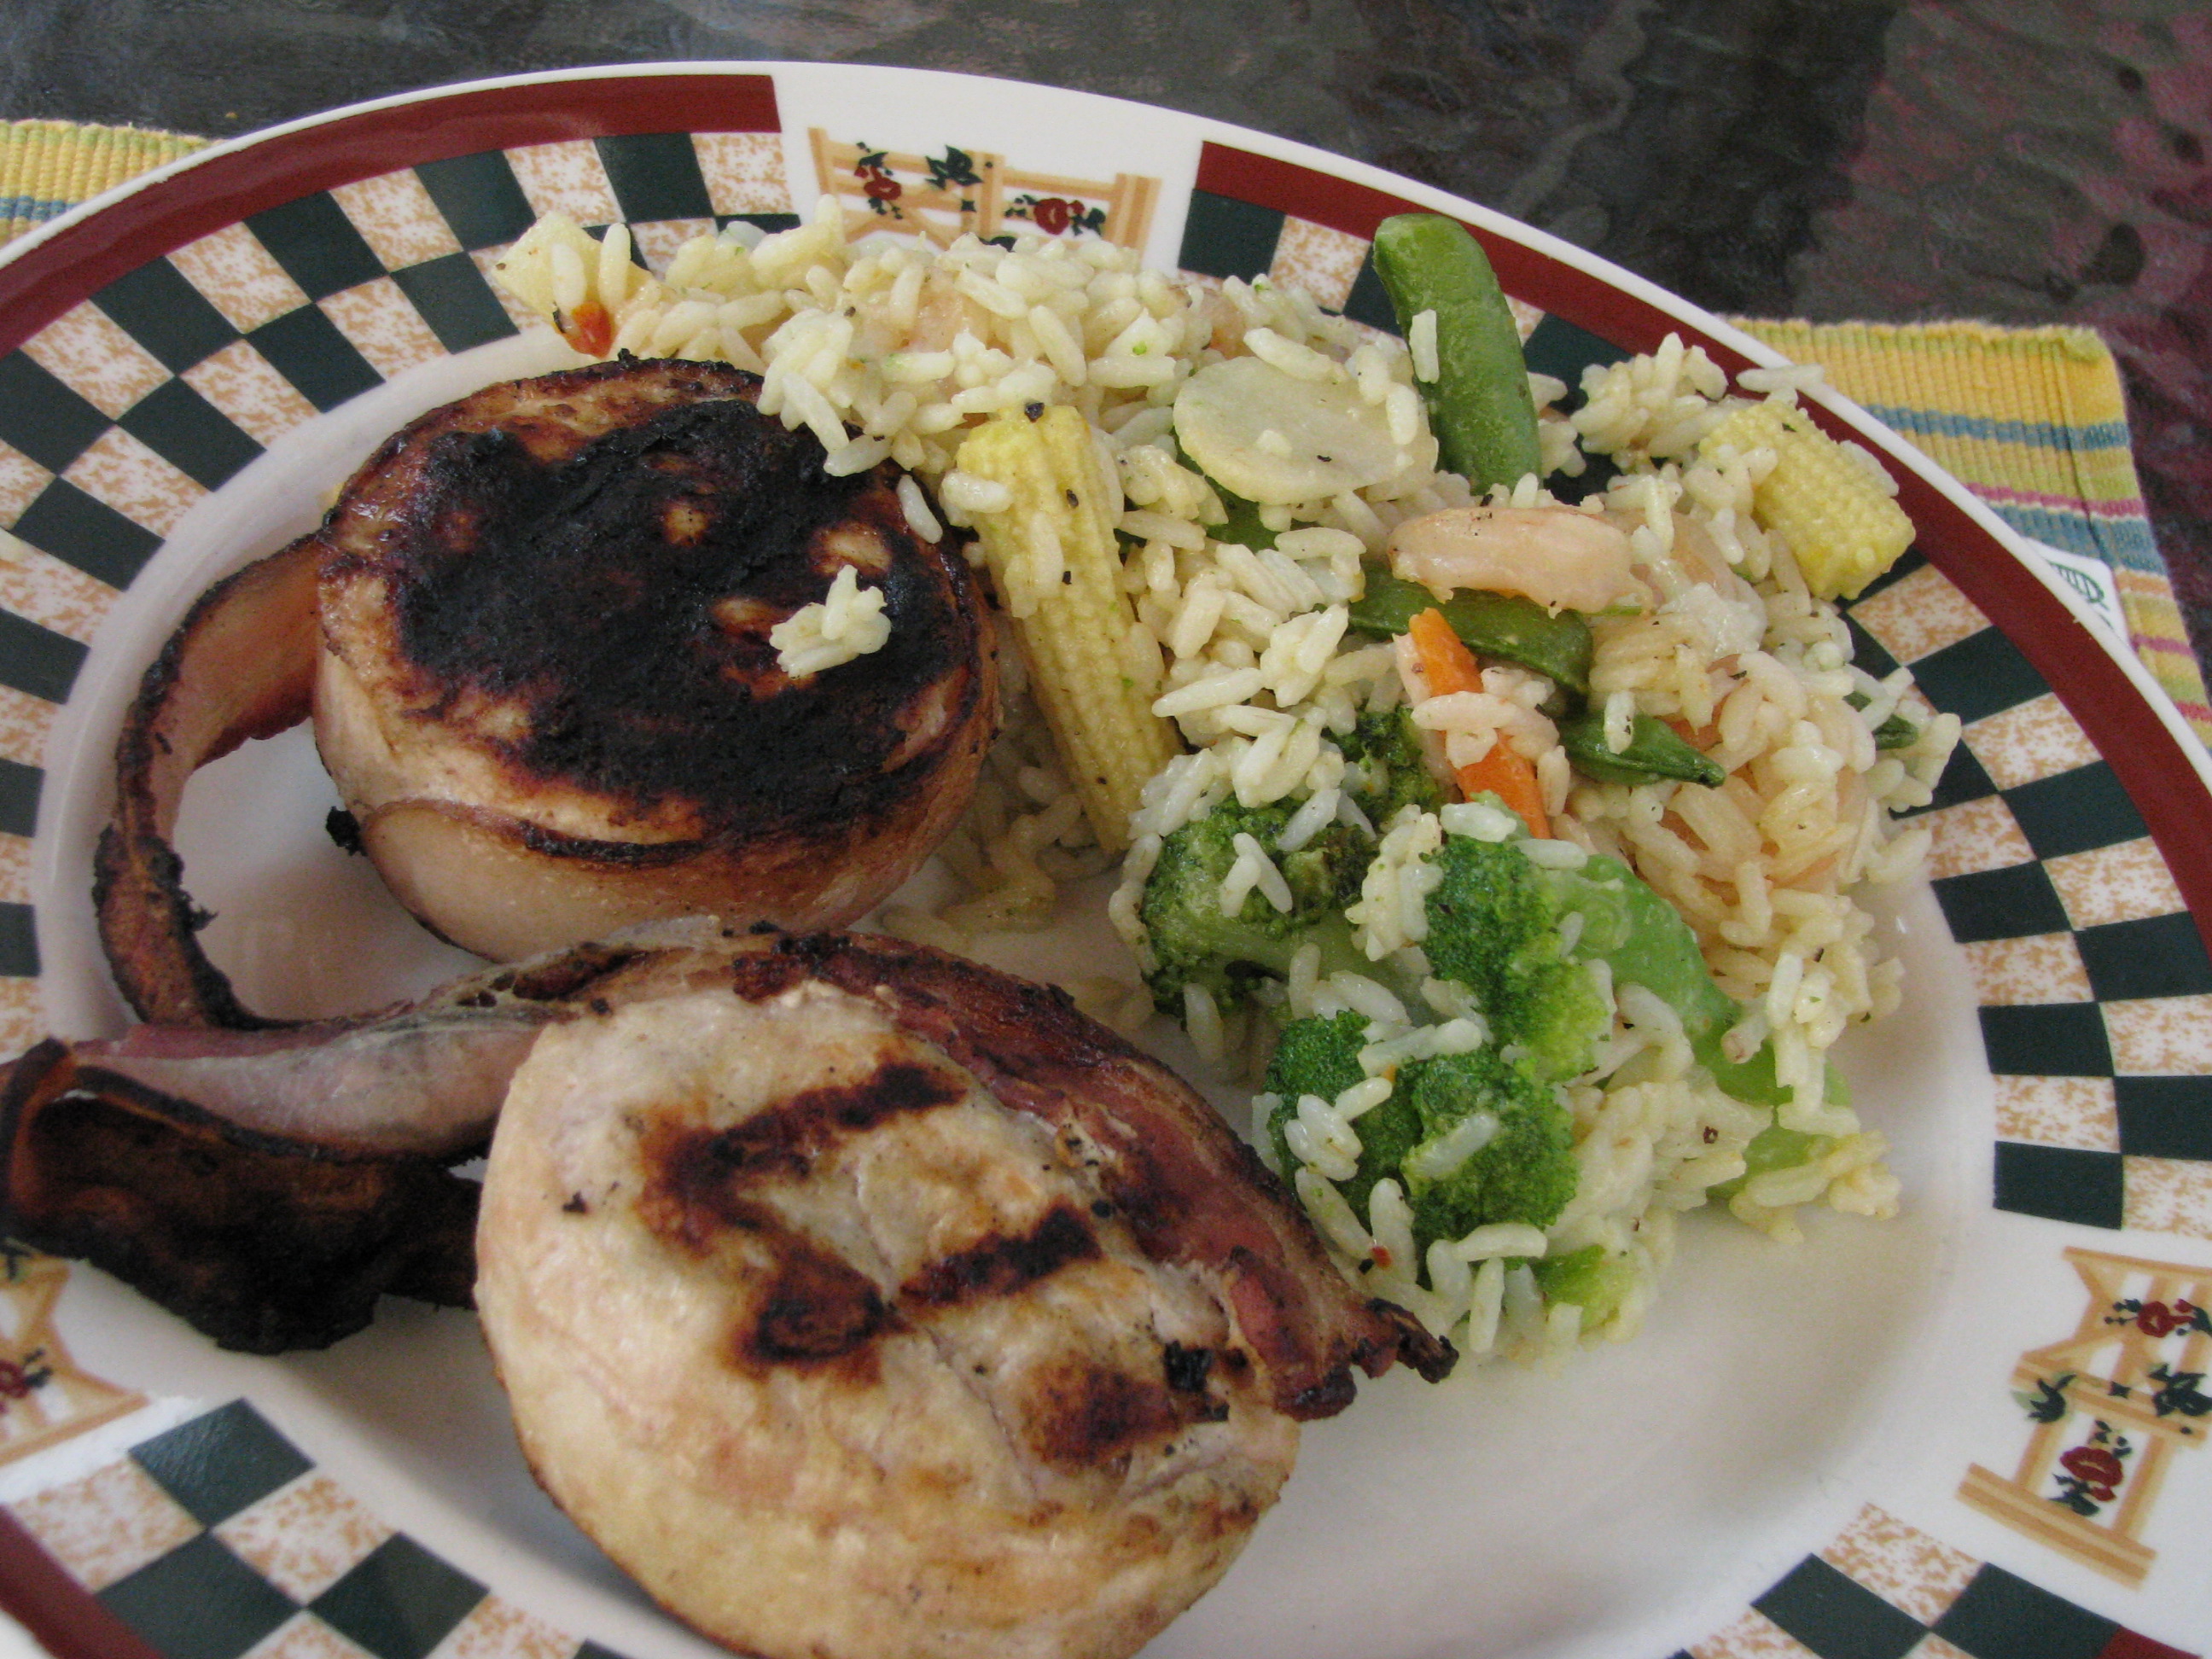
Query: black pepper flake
[(1067, 576), (342, 827), (575, 1206), (1073, 500), (1035, 412), (601, 1007), (1185, 1368)]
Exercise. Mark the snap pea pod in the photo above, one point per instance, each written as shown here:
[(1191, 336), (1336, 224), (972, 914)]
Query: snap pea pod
[(1772, 1148), (1655, 751), (1479, 404), (1645, 941), (1505, 626)]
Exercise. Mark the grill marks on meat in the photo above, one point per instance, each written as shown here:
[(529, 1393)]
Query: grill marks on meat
[(1166, 1161), (703, 1170), (701, 1184), (764, 1269), (1093, 1414), (815, 1308), (1005, 1265)]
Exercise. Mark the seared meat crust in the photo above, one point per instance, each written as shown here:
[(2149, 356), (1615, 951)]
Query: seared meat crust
[(547, 690)]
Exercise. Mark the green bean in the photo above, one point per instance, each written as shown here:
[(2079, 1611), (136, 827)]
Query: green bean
[(1655, 751), (1896, 733), (1505, 626), (1479, 404)]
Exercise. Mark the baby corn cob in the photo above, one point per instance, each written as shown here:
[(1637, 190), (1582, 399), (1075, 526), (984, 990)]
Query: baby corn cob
[(1844, 530), (1053, 556)]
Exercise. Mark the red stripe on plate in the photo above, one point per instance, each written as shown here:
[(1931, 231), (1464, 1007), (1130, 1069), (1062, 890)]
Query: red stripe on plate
[(51, 278), (2131, 1644), (38, 1592)]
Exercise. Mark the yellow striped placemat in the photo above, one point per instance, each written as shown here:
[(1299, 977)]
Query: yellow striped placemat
[(47, 168), (2032, 421)]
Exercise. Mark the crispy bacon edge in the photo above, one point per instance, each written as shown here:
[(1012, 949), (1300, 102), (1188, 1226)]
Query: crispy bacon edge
[(263, 1244), (241, 665)]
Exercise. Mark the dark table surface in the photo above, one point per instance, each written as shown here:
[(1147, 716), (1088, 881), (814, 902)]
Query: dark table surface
[(2018, 160)]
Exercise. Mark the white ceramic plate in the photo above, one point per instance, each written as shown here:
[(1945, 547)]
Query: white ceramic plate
[(1841, 1448)]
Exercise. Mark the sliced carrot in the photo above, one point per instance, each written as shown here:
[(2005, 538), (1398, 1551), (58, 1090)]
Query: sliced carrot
[(590, 329), (1504, 773), (1448, 666), (1698, 737), (1446, 662)]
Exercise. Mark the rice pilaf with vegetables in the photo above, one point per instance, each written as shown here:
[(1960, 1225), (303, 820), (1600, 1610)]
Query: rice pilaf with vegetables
[(1508, 841)]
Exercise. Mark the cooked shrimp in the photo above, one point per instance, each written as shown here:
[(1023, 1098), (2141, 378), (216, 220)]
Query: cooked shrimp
[(1558, 556)]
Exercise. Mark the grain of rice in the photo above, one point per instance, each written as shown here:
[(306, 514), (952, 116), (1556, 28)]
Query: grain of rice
[(1333, 1215), (916, 506), (1362, 1098), (1218, 690), (1201, 1019), (1486, 1302), (1441, 1157), (1390, 1220), (1503, 1238), (1368, 998), (1421, 342)]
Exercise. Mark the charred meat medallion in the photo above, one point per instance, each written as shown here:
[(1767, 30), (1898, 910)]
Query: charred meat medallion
[(546, 689)]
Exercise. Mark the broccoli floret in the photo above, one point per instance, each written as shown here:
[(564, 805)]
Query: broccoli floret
[(1192, 942), (1517, 933), (1494, 928), (1321, 1056), (1388, 770), (1592, 1279), (1317, 1056), (1525, 1172)]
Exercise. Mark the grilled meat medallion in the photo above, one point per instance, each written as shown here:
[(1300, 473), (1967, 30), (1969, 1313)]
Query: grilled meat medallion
[(865, 1303), (546, 691)]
